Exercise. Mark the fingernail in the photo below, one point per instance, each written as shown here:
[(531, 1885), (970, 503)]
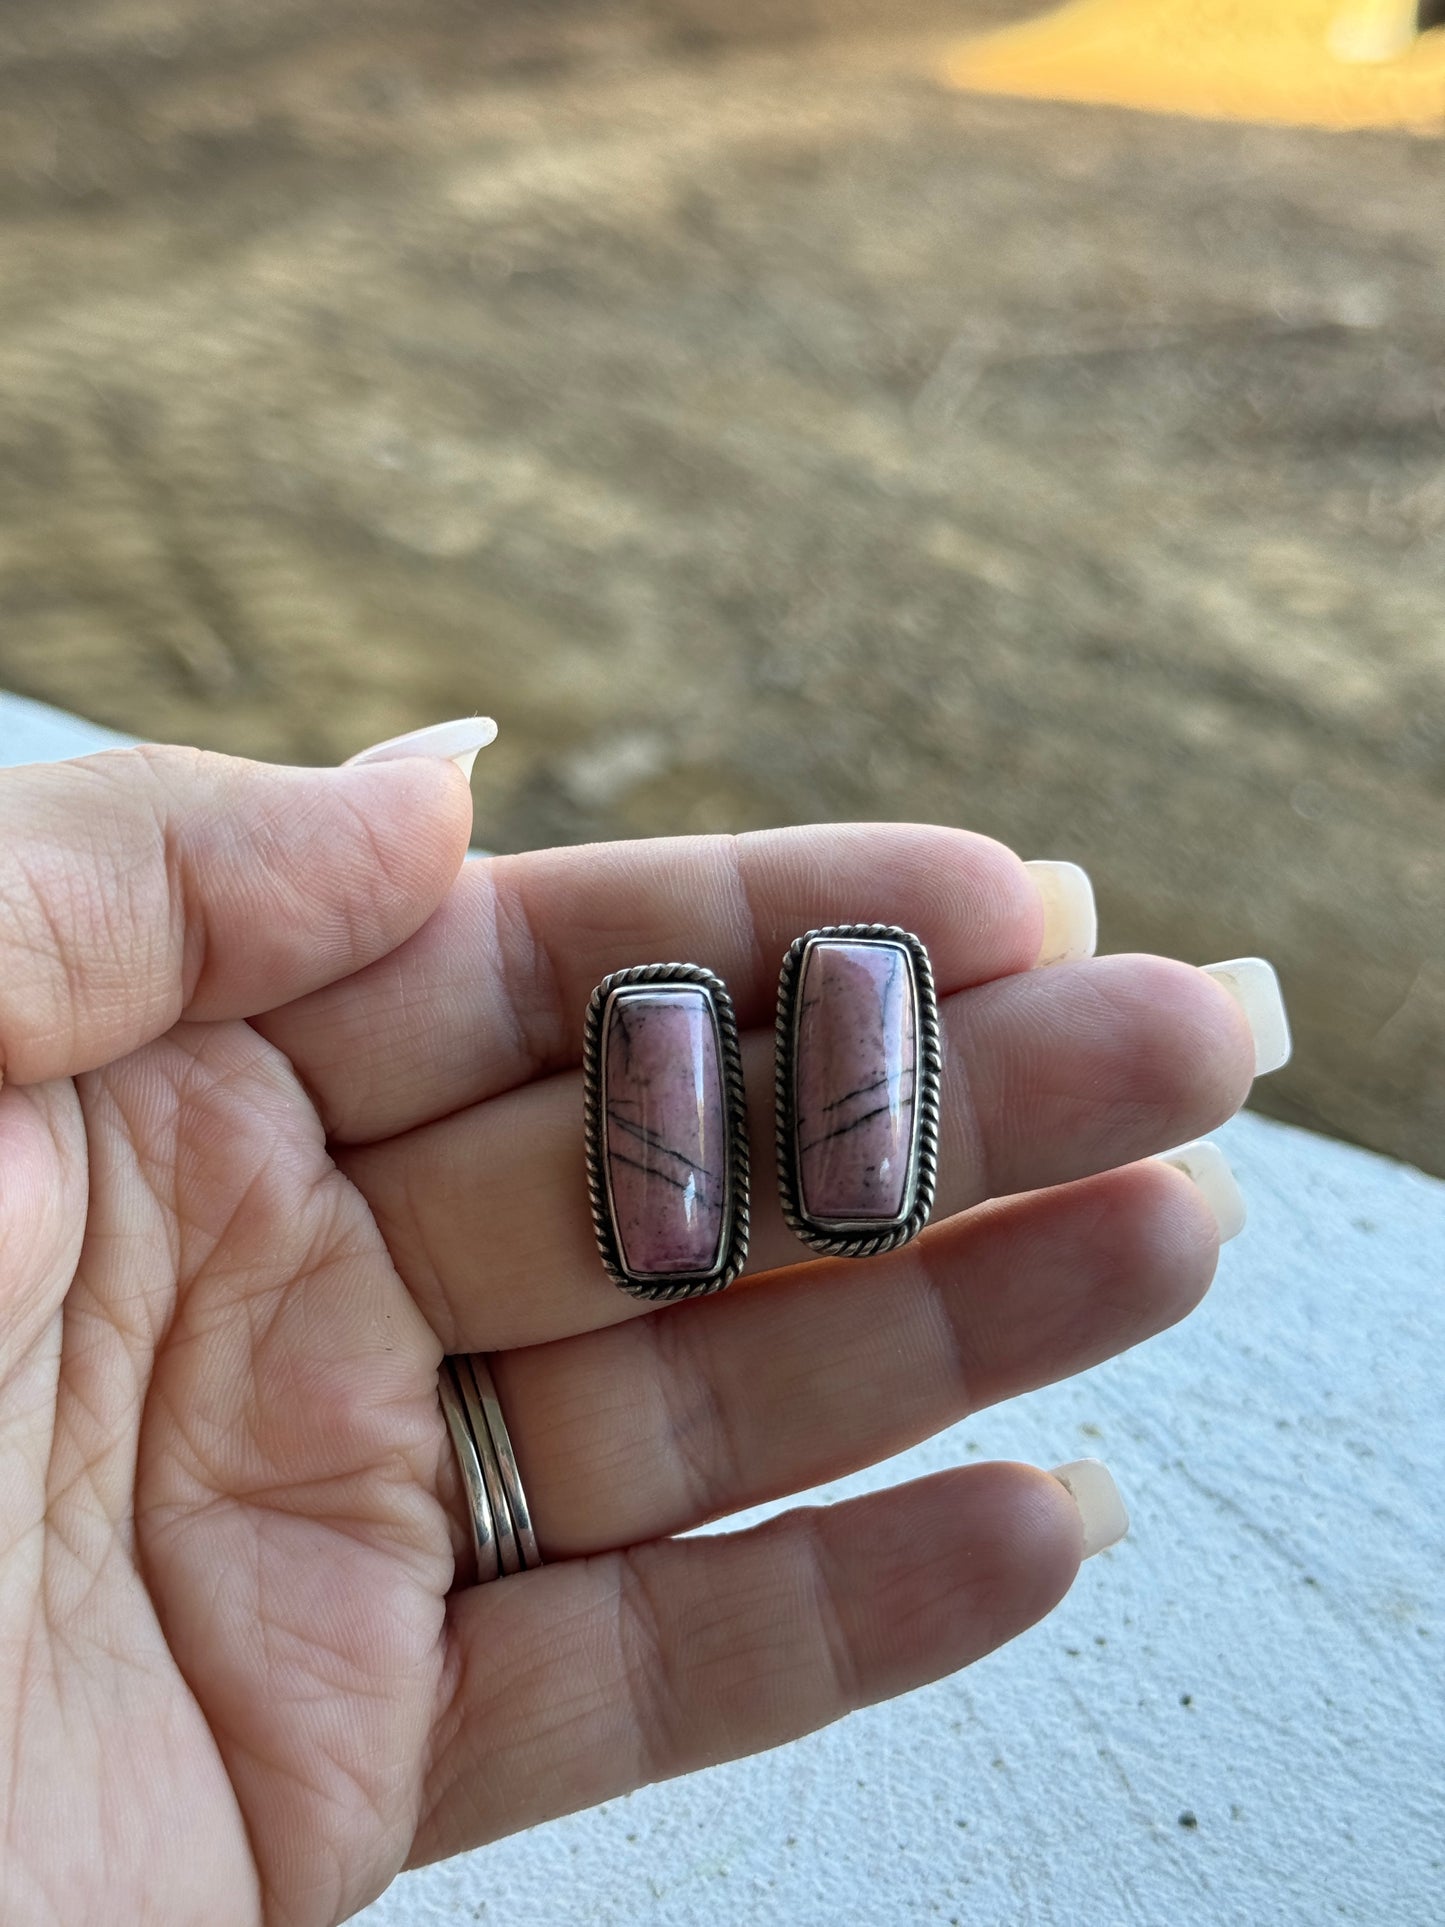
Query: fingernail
[(1254, 986), (1090, 1484), (458, 742), (1367, 34), (1208, 1169), (1071, 923)]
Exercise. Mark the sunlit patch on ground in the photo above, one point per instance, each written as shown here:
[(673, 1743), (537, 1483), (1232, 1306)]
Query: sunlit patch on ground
[(1315, 63)]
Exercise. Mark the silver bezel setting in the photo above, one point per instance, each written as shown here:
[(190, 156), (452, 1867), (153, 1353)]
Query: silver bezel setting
[(861, 1238), (668, 1288)]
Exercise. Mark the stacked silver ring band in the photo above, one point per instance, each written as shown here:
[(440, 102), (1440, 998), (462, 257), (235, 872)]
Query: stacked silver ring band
[(502, 1535)]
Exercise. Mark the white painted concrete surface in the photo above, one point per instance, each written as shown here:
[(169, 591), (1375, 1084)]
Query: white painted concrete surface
[(35, 733), (1237, 1718), (1264, 1653)]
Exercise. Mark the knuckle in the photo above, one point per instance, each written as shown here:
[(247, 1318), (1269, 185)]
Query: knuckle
[(701, 1443), (658, 1719)]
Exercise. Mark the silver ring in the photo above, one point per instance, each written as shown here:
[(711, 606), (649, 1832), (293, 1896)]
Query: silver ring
[(516, 1499), (503, 1537), (508, 1555), (479, 1506)]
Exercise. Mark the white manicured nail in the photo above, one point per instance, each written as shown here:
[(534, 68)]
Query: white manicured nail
[(458, 742), (1371, 32), (1254, 986), (1071, 923), (1208, 1169), (1090, 1484)]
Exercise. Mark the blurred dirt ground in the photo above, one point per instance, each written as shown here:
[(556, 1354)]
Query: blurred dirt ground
[(762, 432)]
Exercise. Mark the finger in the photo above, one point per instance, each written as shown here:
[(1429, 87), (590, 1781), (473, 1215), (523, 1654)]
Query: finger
[(143, 885), (1048, 1076), (585, 1680), (657, 1425), (42, 1222), (491, 994)]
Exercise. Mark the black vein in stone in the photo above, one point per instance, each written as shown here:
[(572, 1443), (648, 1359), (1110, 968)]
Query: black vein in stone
[(651, 1169), (863, 1117), (860, 1092), (655, 1143), (621, 1022), (863, 1089), (905, 1079)]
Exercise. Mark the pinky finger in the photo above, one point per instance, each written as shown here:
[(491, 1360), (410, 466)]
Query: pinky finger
[(581, 1681)]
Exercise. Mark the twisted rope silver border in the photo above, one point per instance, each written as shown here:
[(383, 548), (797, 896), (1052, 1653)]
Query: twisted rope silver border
[(830, 1243), (664, 1290)]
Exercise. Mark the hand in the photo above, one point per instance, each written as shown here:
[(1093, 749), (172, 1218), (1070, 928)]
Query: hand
[(290, 1109)]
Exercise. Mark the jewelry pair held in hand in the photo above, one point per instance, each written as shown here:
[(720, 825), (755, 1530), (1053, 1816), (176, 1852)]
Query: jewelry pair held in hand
[(857, 1076)]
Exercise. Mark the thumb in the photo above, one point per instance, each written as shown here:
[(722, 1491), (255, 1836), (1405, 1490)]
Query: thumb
[(144, 885)]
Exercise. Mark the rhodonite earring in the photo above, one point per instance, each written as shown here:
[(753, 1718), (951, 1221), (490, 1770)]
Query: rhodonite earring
[(667, 1138), (858, 1067)]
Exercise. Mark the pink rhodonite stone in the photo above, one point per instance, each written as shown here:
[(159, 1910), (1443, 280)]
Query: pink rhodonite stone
[(666, 1148), (854, 1078)]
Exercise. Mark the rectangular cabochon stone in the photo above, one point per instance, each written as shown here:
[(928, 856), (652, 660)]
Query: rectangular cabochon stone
[(855, 1071), (666, 1141)]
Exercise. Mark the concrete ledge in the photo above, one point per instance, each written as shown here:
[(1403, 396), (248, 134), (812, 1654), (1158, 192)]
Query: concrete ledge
[(36, 733), (1236, 1717)]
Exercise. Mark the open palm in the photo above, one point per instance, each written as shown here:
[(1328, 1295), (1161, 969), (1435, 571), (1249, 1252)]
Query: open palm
[(291, 1108)]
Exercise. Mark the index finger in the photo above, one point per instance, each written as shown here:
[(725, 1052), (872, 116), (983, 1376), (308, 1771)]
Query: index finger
[(490, 993), (141, 885)]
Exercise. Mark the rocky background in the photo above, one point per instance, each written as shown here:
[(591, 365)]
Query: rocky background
[(762, 432)]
